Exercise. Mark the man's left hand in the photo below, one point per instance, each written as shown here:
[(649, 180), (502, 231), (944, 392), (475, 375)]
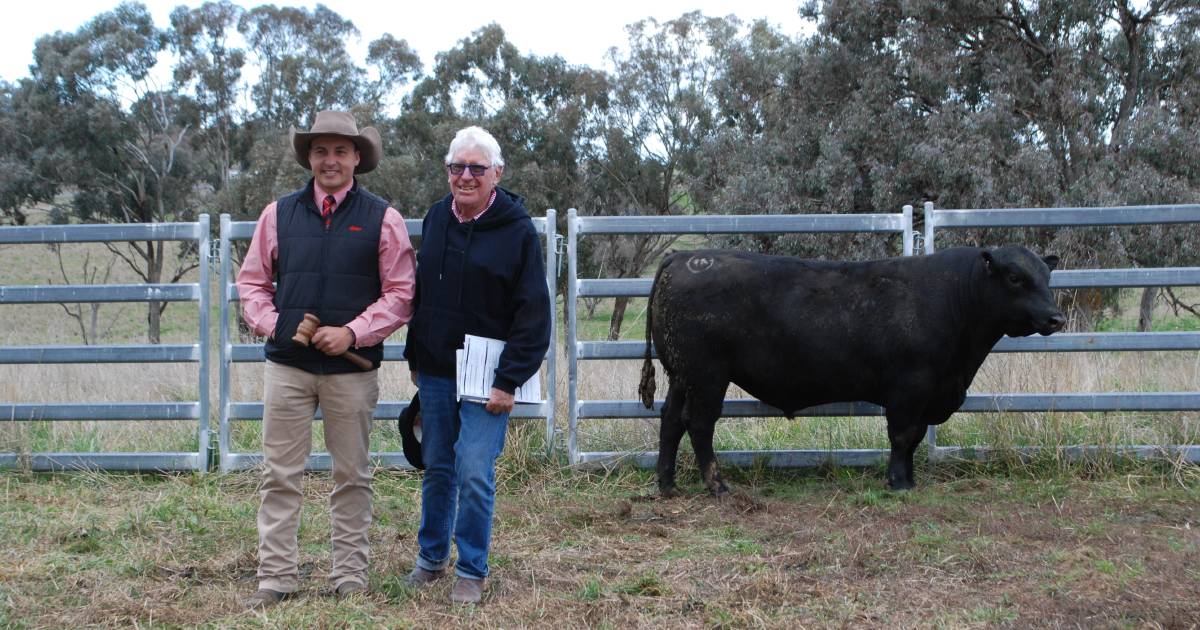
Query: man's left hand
[(499, 401), (332, 340)]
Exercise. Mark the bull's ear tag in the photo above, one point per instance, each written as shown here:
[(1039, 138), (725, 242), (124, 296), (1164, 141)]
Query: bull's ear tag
[(698, 264)]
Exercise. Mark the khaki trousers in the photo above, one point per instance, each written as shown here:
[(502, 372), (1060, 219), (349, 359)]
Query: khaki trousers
[(290, 401)]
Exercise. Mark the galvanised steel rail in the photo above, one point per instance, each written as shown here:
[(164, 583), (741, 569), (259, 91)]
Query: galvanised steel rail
[(1060, 342), (1083, 342), (640, 287), (583, 350), (386, 410), (135, 353)]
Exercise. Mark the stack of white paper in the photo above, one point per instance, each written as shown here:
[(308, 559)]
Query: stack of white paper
[(477, 363)]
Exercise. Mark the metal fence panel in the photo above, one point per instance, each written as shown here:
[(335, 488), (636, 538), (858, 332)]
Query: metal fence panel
[(578, 350), (100, 354), (798, 458), (1066, 217), (744, 224), (102, 232), (1082, 342), (198, 292), (133, 462), (732, 408), (1123, 278), (1059, 342), (100, 411), (1055, 217), (1063, 342), (100, 293), (231, 353)]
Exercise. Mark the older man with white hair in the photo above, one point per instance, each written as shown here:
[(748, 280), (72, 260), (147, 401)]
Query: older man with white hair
[(479, 272)]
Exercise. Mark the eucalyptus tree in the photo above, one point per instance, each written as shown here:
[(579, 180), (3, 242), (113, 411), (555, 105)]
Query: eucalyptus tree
[(397, 65), (661, 109), (209, 70), (30, 163), (303, 63), (121, 152), (541, 110), (975, 104), (1087, 86)]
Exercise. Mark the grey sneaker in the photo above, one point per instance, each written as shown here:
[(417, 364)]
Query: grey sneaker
[(467, 591), (421, 577), (264, 598)]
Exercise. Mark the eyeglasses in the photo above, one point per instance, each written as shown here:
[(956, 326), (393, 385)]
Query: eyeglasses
[(477, 170)]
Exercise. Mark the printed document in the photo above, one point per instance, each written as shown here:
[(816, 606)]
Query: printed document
[(476, 369)]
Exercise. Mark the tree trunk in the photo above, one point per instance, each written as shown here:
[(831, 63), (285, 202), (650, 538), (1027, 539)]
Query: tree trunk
[(154, 276), (1146, 311), (95, 336), (618, 315)]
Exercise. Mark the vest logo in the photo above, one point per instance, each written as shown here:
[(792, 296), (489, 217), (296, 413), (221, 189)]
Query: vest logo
[(355, 228)]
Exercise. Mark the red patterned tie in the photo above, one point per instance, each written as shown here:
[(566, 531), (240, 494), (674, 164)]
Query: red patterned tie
[(327, 206)]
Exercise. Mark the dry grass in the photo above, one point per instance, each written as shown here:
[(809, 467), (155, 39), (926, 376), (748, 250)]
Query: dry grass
[(1023, 373), (974, 547)]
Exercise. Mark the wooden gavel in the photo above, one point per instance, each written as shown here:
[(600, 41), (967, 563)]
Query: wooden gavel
[(308, 328)]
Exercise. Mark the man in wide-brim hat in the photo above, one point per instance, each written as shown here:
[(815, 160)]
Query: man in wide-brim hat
[(341, 253)]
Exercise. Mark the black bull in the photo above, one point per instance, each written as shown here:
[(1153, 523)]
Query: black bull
[(907, 334)]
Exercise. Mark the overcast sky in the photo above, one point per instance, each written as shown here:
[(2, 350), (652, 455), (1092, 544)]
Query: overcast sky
[(580, 32)]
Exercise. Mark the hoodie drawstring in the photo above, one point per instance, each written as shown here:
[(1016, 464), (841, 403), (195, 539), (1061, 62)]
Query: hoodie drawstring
[(462, 265), (462, 268)]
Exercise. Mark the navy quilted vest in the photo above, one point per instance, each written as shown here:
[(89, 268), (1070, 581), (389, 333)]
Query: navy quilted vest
[(331, 272)]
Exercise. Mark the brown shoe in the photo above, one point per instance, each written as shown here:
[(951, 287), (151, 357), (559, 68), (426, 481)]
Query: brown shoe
[(467, 591), (349, 589), (264, 598), (421, 577)]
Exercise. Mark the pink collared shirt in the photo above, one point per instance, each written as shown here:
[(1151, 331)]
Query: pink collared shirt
[(461, 219), (397, 264)]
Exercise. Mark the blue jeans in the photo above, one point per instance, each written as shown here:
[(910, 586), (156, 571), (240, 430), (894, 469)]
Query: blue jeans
[(460, 444)]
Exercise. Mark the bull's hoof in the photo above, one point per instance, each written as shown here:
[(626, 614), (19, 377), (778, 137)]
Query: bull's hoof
[(719, 490), (669, 492), (901, 485)]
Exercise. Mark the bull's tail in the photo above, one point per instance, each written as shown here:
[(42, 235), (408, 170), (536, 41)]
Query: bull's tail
[(646, 387)]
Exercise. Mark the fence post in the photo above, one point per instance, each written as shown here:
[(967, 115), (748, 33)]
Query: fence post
[(226, 348), (572, 341), (908, 231), (930, 225), (551, 359), (204, 457)]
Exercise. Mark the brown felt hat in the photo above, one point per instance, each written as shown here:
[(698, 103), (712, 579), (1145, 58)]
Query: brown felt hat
[(333, 123)]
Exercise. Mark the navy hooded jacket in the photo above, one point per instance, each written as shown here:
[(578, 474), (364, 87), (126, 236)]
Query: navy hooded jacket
[(485, 277)]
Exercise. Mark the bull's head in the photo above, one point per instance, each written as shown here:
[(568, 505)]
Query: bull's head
[(1018, 292)]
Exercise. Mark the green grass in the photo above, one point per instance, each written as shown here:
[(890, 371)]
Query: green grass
[(1126, 319), (799, 548), (592, 590), (642, 585)]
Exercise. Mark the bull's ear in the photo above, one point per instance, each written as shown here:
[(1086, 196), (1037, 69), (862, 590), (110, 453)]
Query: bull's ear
[(1051, 261), (988, 263)]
